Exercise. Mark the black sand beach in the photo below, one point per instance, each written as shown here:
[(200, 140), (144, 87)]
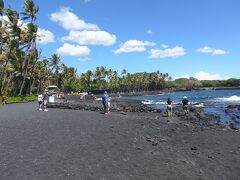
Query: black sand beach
[(75, 144)]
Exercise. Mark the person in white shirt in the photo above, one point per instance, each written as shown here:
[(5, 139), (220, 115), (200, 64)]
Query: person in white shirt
[(40, 101)]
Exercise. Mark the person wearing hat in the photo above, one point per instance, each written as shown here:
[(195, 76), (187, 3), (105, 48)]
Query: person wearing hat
[(169, 107), (105, 100), (185, 104)]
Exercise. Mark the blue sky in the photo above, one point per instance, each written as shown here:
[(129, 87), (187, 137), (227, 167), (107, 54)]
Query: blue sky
[(185, 38)]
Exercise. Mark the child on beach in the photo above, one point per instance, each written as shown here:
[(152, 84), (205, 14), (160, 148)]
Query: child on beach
[(40, 101), (169, 107)]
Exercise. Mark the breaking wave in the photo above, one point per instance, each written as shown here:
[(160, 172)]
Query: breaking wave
[(232, 98)]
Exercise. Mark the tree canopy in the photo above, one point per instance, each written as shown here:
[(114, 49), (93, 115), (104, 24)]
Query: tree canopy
[(24, 71)]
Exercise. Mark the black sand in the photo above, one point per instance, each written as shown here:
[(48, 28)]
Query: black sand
[(73, 144)]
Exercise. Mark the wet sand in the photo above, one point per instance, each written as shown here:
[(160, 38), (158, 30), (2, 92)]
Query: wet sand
[(75, 144)]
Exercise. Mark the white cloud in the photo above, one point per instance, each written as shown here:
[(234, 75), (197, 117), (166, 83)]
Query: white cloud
[(207, 76), (213, 51), (6, 23), (149, 32), (201, 75), (71, 21), (91, 38), (72, 50), (133, 46), (165, 53), (219, 52), (44, 36), (164, 46), (183, 76)]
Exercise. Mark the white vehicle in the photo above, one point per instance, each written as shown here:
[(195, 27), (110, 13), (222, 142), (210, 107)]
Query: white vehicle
[(52, 92)]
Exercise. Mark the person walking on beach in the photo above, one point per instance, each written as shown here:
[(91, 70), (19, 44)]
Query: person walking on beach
[(45, 101), (40, 102), (105, 100), (108, 105), (185, 104), (4, 100), (169, 107)]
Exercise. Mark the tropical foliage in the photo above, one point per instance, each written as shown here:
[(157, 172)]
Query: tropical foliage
[(103, 78), (24, 71)]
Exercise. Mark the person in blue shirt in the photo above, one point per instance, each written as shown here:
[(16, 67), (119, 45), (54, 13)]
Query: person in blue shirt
[(105, 99)]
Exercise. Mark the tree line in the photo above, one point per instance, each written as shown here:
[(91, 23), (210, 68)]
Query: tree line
[(24, 71)]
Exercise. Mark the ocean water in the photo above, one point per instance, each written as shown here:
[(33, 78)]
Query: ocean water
[(213, 101)]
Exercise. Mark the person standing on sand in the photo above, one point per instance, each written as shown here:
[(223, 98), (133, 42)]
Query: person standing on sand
[(105, 100), (185, 104), (4, 100), (108, 105), (169, 107), (45, 101), (40, 102)]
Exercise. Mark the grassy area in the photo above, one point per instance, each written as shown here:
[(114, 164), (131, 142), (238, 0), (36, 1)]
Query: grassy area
[(21, 99)]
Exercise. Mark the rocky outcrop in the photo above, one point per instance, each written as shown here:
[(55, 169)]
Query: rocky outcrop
[(195, 115), (233, 111)]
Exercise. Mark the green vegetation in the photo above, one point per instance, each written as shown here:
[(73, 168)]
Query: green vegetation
[(24, 71), (21, 99), (103, 78), (193, 83)]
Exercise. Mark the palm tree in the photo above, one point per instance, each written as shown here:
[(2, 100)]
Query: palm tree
[(11, 43), (31, 10), (1, 13), (1, 7), (55, 63), (86, 80)]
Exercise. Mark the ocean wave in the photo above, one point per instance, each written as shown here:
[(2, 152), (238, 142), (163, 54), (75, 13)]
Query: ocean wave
[(148, 102), (199, 105), (152, 102), (232, 98)]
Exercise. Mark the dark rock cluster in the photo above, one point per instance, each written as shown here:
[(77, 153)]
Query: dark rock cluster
[(195, 115), (231, 107), (233, 112), (116, 106)]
